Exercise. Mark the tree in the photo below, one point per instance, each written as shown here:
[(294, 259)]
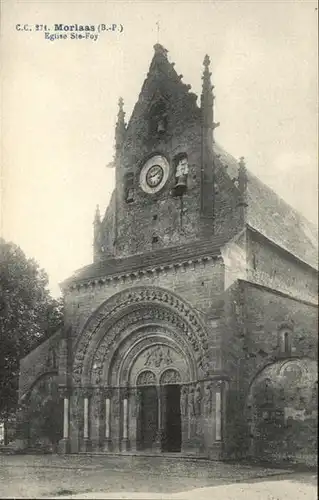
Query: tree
[(28, 316)]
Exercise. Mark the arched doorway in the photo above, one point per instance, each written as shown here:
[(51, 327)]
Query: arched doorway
[(148, 417), (135, 332), (170, 384), (44, 413), (153, 361), (159, 425)]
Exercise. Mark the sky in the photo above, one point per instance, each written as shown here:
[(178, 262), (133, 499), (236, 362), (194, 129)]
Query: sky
[(59, 105)]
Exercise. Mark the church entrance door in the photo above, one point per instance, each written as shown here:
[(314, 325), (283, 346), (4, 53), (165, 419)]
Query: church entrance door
[(171, 415), (148, 417)]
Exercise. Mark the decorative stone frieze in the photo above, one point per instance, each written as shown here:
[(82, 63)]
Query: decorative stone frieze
[(136, 275)]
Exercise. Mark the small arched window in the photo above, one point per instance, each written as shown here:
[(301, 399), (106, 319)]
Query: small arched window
[(158, 118), (285, 341)]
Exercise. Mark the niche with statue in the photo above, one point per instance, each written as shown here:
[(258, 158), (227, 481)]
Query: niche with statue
[(181, 169)]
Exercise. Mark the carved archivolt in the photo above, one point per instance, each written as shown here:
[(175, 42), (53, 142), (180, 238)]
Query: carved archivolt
[(127, 307)]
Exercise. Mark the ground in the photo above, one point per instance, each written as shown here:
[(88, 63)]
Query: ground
[(83, 476)]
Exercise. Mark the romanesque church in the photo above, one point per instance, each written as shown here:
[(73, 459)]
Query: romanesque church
[(194, 330)]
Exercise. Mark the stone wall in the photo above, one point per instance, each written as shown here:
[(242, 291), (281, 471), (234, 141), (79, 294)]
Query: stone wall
[(257, 319), (200, 285), (282, 411), (272, 266)]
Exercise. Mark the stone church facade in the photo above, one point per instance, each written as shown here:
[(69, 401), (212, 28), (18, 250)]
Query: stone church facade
[(194, 331)]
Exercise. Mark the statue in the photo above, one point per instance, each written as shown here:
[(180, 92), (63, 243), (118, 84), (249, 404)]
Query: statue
[(182, 168), (129, 195), (184, 395), (207, 398), (191, 402), (198, 400)]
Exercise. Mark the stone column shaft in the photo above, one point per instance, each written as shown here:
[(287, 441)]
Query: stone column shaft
[(218, 417), (86, 418), (125, 406), (107, 418), (65, 418)]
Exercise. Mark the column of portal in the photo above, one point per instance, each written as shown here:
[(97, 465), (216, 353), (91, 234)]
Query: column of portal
[(87, 392), (218, 416), (107, 436), (124, 442), (64, 444)]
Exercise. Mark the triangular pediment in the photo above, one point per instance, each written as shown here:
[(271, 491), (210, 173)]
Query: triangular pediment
[(162, 83)]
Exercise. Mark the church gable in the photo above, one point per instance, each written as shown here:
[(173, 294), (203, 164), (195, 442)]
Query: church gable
[(158, 164), (167, 191), (165, 105)]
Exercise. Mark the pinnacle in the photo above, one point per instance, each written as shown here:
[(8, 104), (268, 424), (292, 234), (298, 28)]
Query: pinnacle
[(97, 213), (206, 61), (242, 163), (121, 103), (159, 49)]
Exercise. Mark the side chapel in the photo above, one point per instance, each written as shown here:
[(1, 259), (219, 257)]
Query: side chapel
[(194, 330)]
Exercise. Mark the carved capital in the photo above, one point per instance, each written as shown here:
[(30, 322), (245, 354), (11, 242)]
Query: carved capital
[(87, 392), (98, 391), (125, 392), (64, 391), (108, 392)]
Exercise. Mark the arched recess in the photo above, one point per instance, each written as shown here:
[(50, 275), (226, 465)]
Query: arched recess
[(170, 376), (126, 321), (282, 412), (146, 377), (43, 412), (151, 346)]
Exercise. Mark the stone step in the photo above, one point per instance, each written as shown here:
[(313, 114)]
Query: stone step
[(7, 449)]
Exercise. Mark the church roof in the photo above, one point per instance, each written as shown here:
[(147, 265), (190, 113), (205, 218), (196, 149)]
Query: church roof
[(272, 217), (157, 258)]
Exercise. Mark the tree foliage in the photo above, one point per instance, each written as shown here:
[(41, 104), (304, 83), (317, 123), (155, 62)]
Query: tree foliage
[(28, 316)]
